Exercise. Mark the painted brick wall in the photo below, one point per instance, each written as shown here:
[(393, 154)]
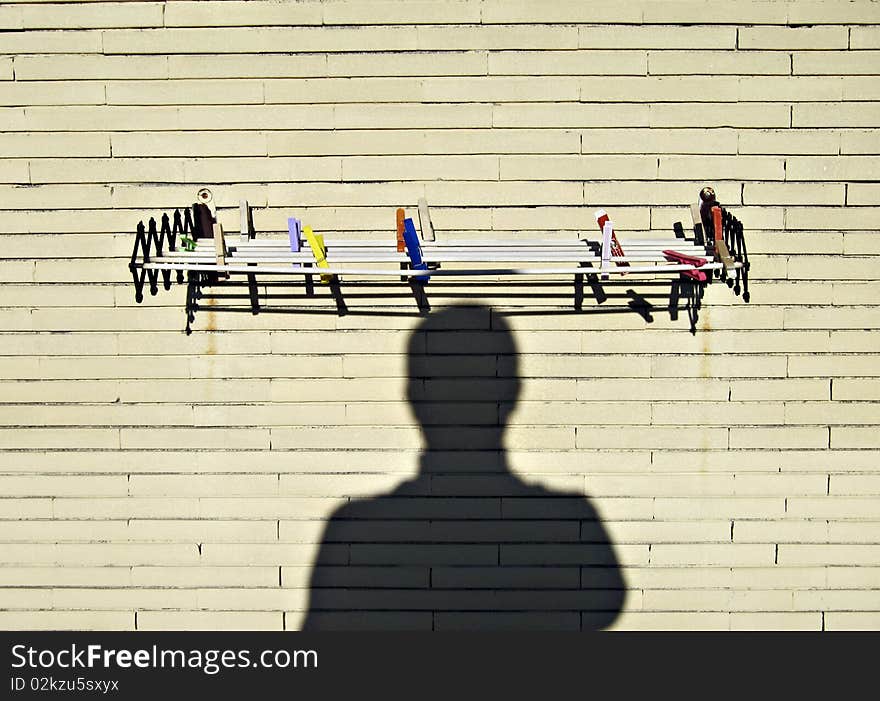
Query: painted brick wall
[(154, 480)]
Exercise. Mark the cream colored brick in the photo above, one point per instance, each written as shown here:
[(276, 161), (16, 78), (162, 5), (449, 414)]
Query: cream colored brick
[(13, 119), (255, 599), (202, 530), (247, 66), (54, 145), (559, 218), (855, 485), (789, 531), (203, 485), (410, 116), (202, 576), (780, 390), (783, 242), (65, 576), (57, 391), (825, 115), (96, 553), (705, 413), (831, 366), (832, 269), (858, 142), (714, 168), (641, 141), (779, 437), (652, 437), (62, 531), (863, 194), (268, 554), (25, 508), (67, 620), (108, 507), (718, 63), (269, 414), (51, 344), (809, 218), (749, 11), (576, 168), (653, 389), (653, 37), (410, 142), (817, 12), (210, 620), (833, 507), (290, 169), (566, 11), (185, 92), (793, 89), (860, 88), (11, 17), (45, 485), (775, 621), (496, 37), (52, 42), (531, 115), (671, 620), (86, 67), (728, 554), (125, 599), (794, 194), (422, 63), (787, 141), (15, 171), (52, 93), (59, 438), (665, 485), (54, 170), (834, 63), (447, 168), (194, 438), (851, 620), (333, 485), (864, 38), (270, 507), (751, 115), (62, 196), (583, 62), (829, 554), (862, 388), (717, 366), (249, 40), (232, 14), (93, 16), (665, 532), (829, 413), (853, 531), (341, 90), (192, 390), (786, 38), (851, 342), (654, 89), (854, 437), (852, 577)]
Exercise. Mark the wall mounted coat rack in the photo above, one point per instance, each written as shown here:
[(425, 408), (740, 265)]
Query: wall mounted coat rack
[(192, 242)]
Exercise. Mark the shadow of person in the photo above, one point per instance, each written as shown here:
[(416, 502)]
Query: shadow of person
[(466, 544)]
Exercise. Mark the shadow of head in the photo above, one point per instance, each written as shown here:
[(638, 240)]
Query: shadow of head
[(466, 544), (463, 378)]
